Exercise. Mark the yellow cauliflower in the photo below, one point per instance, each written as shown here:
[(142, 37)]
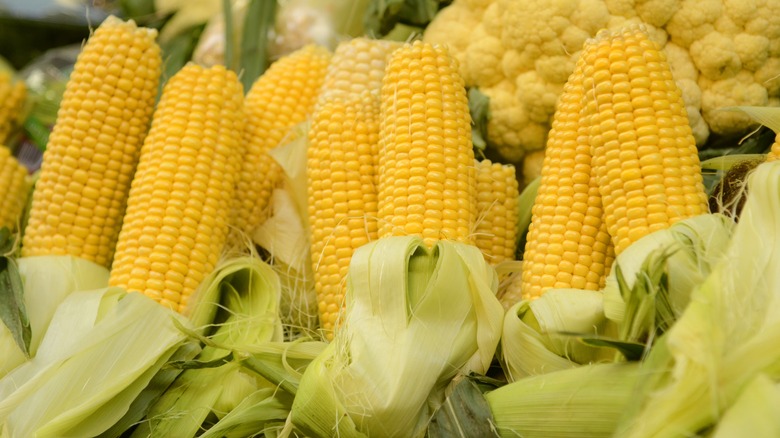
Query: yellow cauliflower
[(520, 53)]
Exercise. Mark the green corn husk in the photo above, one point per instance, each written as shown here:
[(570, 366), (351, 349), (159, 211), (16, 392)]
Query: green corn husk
[(691, 247), (580, 402), (754, 413), (101, 350), (48, 280), (237, 307), (415, 318), (726, 336), (538, 335)]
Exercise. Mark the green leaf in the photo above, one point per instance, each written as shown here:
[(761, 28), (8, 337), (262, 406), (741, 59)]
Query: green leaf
[(260, 18), (632, 351), (152, 392), (525, 203), (6, 242), (382, 16), (479, 108), (200, 364), (465, 413), (12, 310), (178, 51), (227, 11)]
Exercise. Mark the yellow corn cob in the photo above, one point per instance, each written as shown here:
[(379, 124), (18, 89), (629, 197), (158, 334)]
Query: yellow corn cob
[(774, 152), (427, 179), (644, 154), (14, 187), (342, 194), (510, 290), (80, 197), (567, 243), (280, 99), (496, 229), (178, 210), (358, 65), (12, 98)]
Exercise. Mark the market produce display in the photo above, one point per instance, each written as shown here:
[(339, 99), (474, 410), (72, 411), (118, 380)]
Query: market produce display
[(334, 236)]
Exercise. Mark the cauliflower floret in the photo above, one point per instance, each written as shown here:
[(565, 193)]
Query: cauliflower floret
[(691, 94), (510, 126), (657, 35), (453, 26), (555, 69), (680, 62), (738, 90), (539, 95), (766, 21), (492, 20), (753, 50), (624, 8), (590, 15), (483, 60), (715, 56), (740, 11), (694, 20), (657, 12), (769, 76)]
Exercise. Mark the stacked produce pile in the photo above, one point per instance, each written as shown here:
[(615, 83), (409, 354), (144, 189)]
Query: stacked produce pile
[(326, 251)]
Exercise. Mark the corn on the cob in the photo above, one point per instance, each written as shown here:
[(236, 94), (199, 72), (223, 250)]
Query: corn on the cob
[(342, 194), (12, 99), (80, 197), (567, 243), (496, 229), (14, 187), (427, 179), (774, 152), (280, 99), (178, 210), (358, 65), (644, 154)]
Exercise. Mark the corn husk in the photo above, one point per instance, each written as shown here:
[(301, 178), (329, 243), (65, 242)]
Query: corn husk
[(415, 318), (542, 335), (754, 413), (101, 350), (727, 335), (48, 280), (586, 401), (237, 307)]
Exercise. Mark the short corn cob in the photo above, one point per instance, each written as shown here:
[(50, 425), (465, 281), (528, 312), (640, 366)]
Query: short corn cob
[(644, 154), (496, 229), (12, 99), (427, 179), (342, 194), (567, 242), (80, 197), (280, 99), (178, 210), (14, 187), (774, 152), (358, 65)]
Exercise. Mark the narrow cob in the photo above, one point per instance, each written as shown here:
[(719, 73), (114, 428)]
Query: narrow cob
[(567, 242), (358, 65), (774, 151), (280, 99), (635, 143), (342, 195), (178, 210), (12, 99), (644, 154), (15, 188), (496, 229), (80, 197), (341, 167), (427, 179)]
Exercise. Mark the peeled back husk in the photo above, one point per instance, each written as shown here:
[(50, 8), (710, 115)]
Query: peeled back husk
[(47, 281), (415, 318)]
